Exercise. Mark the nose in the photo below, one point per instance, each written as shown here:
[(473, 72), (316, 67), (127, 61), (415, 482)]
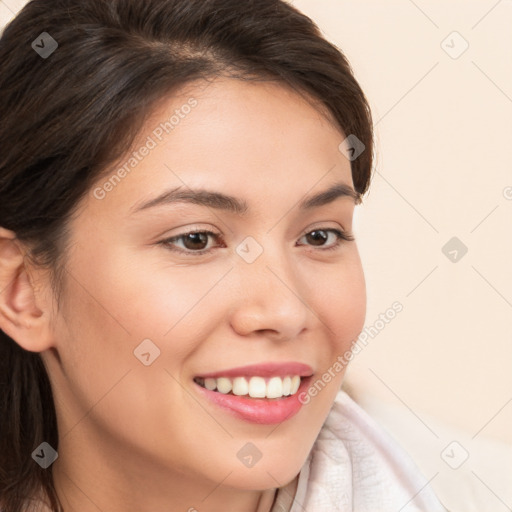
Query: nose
[(269, 298)]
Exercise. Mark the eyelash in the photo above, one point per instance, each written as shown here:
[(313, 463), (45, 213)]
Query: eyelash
[(340, 236)]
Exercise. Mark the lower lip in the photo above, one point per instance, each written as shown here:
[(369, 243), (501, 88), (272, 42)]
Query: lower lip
[(265, 411)]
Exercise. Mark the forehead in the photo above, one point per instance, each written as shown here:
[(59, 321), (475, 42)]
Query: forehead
[(249, 138)]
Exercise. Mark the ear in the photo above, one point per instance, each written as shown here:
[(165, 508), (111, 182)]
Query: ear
[(20, 317)]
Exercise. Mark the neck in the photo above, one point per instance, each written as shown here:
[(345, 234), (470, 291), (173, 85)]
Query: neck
[(87, 485)]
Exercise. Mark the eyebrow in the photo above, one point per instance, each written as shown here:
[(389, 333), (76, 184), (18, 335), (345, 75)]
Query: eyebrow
[(240, 207)]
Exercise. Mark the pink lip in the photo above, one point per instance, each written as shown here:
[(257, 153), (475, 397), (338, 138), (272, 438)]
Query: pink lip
[(265, 411), (263, 370)]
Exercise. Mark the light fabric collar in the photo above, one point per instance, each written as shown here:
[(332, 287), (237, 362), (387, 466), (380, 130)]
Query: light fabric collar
[(355, 466)]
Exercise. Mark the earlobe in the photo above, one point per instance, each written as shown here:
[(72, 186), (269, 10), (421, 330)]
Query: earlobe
[(20, 317)]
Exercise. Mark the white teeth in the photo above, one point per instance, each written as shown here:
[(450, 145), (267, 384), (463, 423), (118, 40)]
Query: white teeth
[(287, 386), (295, 384), (274, 388), (223, 385), (210, 384), (240, 386), (255, 387)]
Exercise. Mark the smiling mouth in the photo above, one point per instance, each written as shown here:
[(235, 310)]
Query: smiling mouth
[(252, 387)]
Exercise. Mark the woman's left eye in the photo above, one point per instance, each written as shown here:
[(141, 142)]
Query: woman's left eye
[(319, 234), (193, 240)]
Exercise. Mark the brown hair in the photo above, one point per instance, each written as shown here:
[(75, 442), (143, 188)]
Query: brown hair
[(67, 116)]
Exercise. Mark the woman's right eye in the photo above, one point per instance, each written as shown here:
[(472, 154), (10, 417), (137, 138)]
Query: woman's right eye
[(191, 240)]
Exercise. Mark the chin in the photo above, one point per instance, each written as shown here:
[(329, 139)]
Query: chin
[(266, 475)]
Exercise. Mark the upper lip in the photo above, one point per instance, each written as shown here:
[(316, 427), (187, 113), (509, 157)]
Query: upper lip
[(272, 369)]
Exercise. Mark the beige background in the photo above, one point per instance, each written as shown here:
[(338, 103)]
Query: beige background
[(438, 376), (444, 139)]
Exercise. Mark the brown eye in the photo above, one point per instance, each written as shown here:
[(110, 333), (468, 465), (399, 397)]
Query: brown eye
[(318, 237), (193, 243)]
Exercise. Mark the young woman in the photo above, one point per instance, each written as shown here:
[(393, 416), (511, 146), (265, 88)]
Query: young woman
[(180, 283)]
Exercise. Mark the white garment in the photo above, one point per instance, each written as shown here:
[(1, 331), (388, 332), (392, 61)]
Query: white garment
[(355, 466)]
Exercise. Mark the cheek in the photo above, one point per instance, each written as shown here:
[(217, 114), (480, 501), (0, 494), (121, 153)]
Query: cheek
[(140, 297), (174, 307), (340, 298), (340, 303)]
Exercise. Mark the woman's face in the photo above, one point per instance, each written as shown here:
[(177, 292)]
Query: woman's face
[(147, 315)]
